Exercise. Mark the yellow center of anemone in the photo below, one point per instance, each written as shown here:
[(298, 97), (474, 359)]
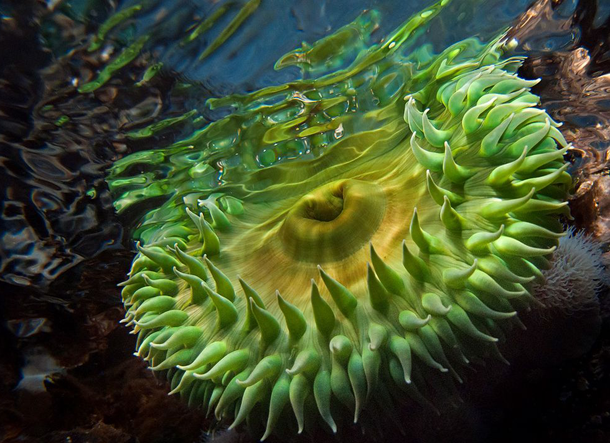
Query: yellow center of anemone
[(334, 221)]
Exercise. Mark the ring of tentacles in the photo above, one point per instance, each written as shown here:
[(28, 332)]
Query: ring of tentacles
[(391, 252)]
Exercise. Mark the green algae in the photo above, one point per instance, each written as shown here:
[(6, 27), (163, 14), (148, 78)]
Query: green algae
[(62, 121), (112, 22), (246, 11), (330, 52), (151, 72), (160, 126), (126, 56), (136, 46)]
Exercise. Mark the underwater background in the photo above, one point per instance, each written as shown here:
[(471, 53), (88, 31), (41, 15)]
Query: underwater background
[(85, 83)]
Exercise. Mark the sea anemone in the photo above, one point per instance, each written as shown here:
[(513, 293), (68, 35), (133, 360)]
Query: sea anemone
[(576, 276), (568, 319), (348, 241)]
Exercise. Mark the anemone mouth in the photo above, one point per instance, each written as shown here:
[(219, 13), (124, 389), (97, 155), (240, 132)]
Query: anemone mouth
[(364, 274), (333, 221)]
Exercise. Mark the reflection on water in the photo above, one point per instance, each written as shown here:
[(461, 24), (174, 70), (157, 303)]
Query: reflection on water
[(575, 89), (81, 86)]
